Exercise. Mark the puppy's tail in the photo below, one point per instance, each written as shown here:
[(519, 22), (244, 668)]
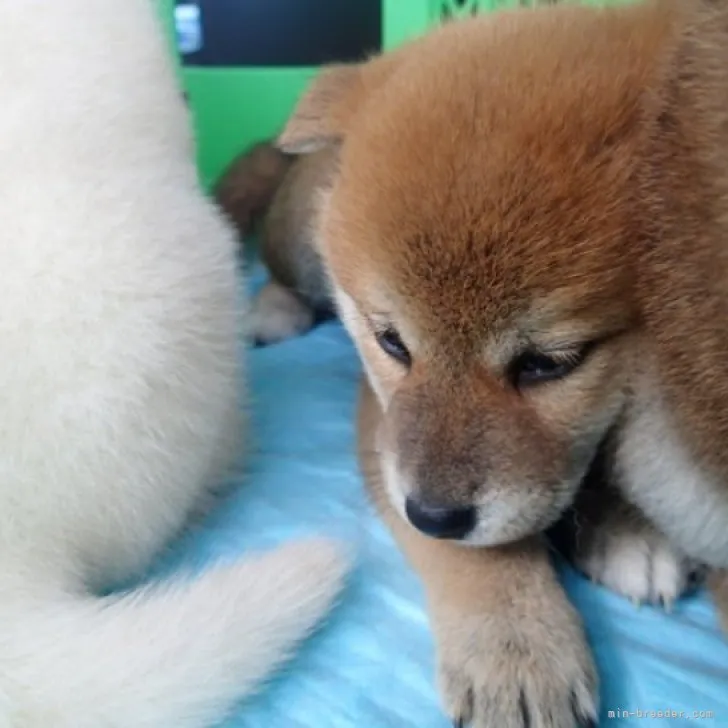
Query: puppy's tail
[(176, 655), (247, 187)]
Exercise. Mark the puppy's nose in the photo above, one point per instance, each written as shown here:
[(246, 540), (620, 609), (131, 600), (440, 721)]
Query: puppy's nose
[(438, 522)]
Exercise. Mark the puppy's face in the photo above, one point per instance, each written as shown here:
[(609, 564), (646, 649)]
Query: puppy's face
[(478, 238)]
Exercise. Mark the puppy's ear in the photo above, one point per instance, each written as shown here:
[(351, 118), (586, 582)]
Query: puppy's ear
[(323, 112)]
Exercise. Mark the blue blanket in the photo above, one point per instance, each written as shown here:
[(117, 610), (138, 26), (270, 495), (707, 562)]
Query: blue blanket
[(371, 665)]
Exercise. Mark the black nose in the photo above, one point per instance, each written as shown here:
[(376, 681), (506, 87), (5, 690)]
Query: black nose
[(452, 523)]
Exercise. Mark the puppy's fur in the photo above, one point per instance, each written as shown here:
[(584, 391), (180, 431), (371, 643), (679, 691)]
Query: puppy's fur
[(119, 323), (542, 183), (297, 293), (245, 189)]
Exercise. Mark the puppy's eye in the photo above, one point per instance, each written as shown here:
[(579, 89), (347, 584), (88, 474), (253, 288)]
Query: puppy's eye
[(533, 367), (392, 344)]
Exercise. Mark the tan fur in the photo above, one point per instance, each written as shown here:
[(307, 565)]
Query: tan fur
[(288, 234), (297, 292), (536, 181), (246, 188)]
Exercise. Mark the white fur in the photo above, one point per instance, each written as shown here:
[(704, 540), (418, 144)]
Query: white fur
[(657, 474), (352, 320), (278, 314), (637, 563), (397, 487), (119, 376)]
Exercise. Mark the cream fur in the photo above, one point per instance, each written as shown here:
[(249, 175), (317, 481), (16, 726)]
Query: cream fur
[(690, 506), (119, 373)]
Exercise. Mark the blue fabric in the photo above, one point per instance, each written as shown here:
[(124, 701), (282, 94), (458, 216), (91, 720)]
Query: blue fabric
[(372, 665)]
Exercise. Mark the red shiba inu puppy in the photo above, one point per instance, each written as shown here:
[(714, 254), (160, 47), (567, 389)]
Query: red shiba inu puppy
[(525, 236)]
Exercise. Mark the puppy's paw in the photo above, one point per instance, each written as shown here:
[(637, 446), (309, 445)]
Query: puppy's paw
[(278, 314), (636, 561), (535, 671)]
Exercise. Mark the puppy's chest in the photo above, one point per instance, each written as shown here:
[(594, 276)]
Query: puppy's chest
[(656, 471)]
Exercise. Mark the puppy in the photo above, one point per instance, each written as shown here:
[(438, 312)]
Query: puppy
[(284, 205), (524, 236), (120, 375)]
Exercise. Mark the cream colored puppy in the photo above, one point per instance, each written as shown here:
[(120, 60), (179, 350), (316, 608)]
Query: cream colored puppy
[(119, 392)]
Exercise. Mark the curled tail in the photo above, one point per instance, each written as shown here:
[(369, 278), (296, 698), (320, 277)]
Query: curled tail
[(174, 655), (246, 188)]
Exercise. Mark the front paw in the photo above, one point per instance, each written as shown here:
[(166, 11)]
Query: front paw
[(534, 670), (633, 559), (278, 314)]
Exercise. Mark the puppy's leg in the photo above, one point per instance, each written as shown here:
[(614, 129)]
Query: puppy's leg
[(615, 545), (298, 295), (512, 651)]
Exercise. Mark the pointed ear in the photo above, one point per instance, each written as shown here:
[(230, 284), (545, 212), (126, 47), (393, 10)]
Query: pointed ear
[(323, 112)]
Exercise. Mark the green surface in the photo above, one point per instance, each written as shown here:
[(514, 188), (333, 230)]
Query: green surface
[(234, 107)]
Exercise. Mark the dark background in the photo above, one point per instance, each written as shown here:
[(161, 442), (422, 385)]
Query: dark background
[(286, 32)]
